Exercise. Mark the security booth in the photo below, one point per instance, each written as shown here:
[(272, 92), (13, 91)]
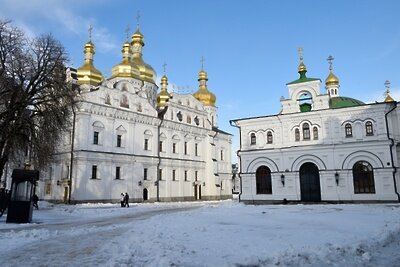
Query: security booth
[(20, 206)]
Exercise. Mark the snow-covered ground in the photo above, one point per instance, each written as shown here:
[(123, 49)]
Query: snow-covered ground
[(223, 233)]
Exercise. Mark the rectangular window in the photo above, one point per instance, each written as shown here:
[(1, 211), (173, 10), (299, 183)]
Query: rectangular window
[(186, 176), (95, 138), (119, 140), (146, 144), (145, 174), (196, 152), (160, 174), (173, 147), (94, 171), (161, 146), (195, 175), (173, 175), (117, 173), (185, 148)]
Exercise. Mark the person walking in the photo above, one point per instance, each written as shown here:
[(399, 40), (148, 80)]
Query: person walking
[(126, 200), (122, 200), (35, 200)]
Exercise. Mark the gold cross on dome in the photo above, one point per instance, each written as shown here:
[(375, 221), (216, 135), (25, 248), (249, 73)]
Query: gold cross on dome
[(301, 54), (165, 67), (127, 31), (387, 84), (330, 59), (90, 32), (138, 19)]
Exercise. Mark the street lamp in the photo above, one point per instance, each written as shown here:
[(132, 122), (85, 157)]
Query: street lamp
[(161, 114)]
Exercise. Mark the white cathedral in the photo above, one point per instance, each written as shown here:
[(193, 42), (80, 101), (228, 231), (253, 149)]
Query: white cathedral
[(321, 147), (129, 136)]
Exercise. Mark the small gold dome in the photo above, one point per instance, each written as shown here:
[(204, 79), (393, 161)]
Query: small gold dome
[(163, 97), (88, 74), (137, 37), (125, 68), (302, 67), (331, 79), (203, 95), (147, 73)]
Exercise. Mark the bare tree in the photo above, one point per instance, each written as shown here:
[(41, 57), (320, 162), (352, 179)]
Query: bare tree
[(36, 102)]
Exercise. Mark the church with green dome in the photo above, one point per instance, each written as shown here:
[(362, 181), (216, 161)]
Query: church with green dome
[(321, 147)]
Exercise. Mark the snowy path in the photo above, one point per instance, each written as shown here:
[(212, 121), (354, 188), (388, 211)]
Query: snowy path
[(205, 234), (75, 243)]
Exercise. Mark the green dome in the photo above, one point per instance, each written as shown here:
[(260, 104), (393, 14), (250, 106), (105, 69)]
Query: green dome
[(344, 102)]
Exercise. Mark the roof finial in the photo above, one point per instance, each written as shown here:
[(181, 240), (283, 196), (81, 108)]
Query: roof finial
[(330, 59), (165, 67), (387, 86), (138, 20), (301, 54), (90, 32), (127, 31), (202, 62)]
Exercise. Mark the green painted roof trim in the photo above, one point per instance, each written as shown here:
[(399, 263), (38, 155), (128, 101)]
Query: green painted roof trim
[(303, 80), (343, 102)]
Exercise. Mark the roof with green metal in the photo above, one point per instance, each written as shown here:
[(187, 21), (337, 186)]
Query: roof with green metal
[(342, 102)]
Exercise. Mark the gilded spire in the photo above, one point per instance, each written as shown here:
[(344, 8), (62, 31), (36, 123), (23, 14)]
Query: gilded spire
[(88, 74), (163, 97), (125, 68), (331, 79), (146, 71), (302, 67), (388, 98), (202, 94)]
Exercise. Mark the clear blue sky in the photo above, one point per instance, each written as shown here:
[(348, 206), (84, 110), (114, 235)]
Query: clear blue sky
[(250, 47)]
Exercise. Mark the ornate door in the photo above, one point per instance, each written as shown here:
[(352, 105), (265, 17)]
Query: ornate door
[(309, 183)]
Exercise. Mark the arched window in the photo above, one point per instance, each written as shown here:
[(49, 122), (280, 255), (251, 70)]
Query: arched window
[(363, 178), (253, 139), (368, 128), (263, 180), (269, 137), (306, 131), (297, 134), (305, 101), (315, 133), (348, 130)]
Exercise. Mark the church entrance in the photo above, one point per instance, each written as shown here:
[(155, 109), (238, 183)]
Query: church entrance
[(309, 183), (145, 194)]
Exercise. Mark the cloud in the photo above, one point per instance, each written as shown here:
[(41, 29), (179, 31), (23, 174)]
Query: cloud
[(37, 17)]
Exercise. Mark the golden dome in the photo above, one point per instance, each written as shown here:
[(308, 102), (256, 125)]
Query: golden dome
[(147, 73), (88, 74), (203, 95), (302, 67), (125, 68), (331, 79), (163, 97)]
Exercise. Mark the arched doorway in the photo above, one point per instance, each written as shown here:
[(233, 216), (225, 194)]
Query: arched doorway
[(310, 188), (263, 180), (145, 194)]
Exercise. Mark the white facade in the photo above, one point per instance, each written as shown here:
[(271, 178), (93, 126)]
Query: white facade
[(124, 140), (316, 155)]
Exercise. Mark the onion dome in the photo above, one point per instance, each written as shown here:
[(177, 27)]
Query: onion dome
[(203, 95), (88, 74), (302, 69), (125, 68), (163, 97), (147, 73), (331, 79)]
